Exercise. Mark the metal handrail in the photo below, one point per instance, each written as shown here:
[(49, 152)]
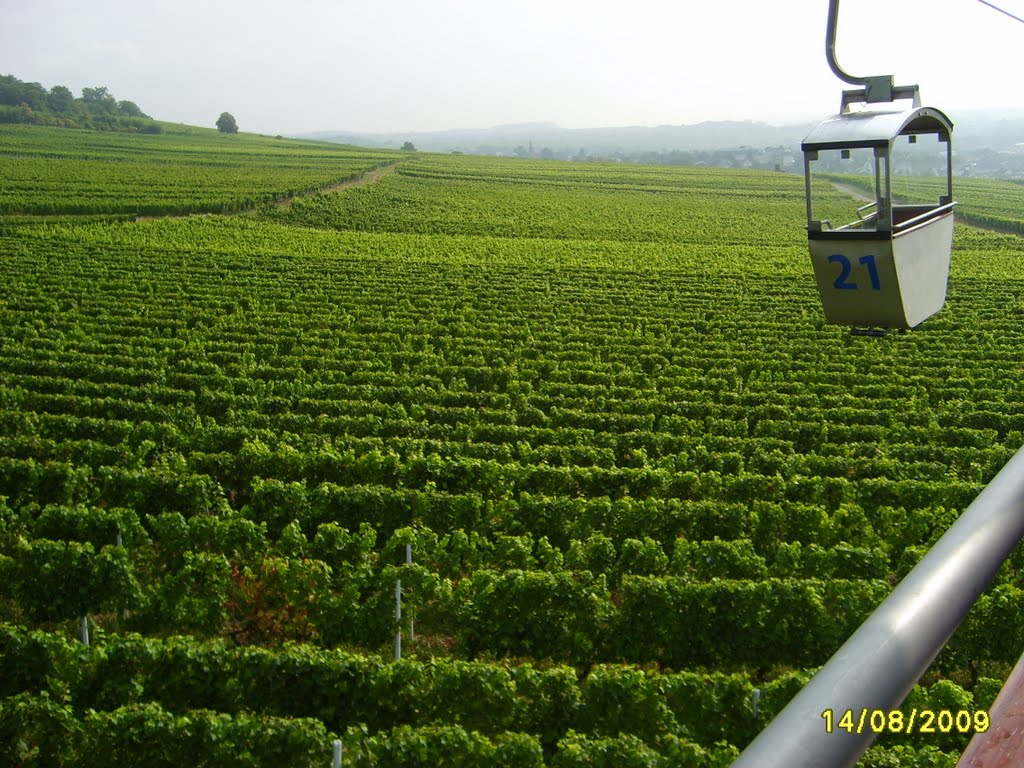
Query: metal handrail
[(930, 213), (878, 666), (860, 211)]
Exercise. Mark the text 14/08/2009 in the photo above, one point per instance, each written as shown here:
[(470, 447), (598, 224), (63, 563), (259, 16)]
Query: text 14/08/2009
[(914, 721)]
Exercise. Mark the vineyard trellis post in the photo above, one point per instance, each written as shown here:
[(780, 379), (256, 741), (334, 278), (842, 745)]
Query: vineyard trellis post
[(398, 619), (412, 627), (398, 610)]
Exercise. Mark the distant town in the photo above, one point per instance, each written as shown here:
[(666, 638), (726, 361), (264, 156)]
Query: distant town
[(985, 144)]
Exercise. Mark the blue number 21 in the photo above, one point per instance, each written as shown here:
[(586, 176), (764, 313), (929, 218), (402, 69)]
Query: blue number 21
[(843, 283)]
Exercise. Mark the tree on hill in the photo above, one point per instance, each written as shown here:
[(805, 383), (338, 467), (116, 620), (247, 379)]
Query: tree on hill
[(129, 108), (226, 123), (96, 109), (17, 94), (61, 99), (100, 100), (408, 147)]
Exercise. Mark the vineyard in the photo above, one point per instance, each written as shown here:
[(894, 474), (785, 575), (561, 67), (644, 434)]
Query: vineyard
[(63, 171), (635, 489)]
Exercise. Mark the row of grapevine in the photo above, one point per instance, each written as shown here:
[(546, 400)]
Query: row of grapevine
[(572, 616), (341, 689)]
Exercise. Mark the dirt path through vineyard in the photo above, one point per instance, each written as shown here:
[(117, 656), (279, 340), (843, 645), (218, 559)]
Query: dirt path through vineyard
[(370, 177), (367, 178)]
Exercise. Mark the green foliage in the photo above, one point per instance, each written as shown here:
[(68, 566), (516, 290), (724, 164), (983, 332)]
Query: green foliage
[(908, 757), (149, 735), (624, 700), (349, 554), (226, 123), (234, 537), (684, 624), (705, 560), (96, 526), (644, 557), (529, 613), (194, 599), (627, 751), (33, 662), (60, 580), (985, 692), (989, 630), (37, 730), (447, 745), (97, 109)]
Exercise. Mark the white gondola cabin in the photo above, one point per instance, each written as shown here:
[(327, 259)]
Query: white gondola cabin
[(885, 263)]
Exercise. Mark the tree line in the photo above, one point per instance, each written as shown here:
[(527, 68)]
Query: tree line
[(96, 108)]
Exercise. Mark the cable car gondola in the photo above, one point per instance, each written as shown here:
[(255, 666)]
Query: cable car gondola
[(885, 264)]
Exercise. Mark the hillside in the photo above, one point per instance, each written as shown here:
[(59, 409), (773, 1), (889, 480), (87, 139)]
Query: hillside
[(643, 485)]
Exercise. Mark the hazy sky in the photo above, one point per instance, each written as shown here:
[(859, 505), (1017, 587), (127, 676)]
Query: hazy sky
[(402, 65)]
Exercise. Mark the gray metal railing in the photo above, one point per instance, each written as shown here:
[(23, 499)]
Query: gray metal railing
[(928, 215), (878, 666)]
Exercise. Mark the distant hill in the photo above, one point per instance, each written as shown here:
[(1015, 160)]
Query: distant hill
[(986, 142), (567, 142)]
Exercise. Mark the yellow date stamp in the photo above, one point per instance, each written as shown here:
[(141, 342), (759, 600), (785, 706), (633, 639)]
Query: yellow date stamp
[(879, 721)]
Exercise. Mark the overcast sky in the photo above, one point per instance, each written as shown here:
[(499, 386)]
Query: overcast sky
[(402, 65)]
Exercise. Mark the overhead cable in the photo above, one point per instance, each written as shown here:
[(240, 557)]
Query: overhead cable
[(1001, 10)]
